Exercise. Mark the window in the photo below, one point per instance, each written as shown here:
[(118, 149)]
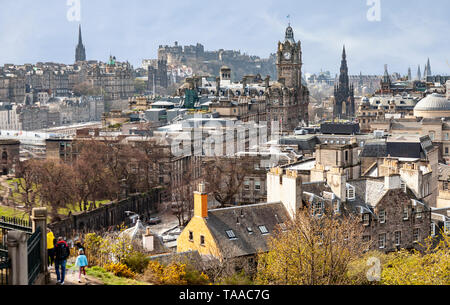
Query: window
[(350, 192), (263, 230), (433, 229), (445, 185), (191, 236), (366, 219), (257, 185), (249, 230), (446, 136), (247, 185), (447, 227), (403, 186), (317, 208), (382, 241), (432, 135), (419, 212), (446, 150), (366, 238), (382, 216), (346, 156), (231, 234), (398, 238), (416, 235), (336, 206), (202, 240), (405, 213)]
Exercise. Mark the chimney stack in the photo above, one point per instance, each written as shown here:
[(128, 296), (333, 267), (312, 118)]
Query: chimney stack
[(201, 202)]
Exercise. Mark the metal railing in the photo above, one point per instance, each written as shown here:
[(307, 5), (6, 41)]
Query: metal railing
[(34, 256), (5, 267), (12, 223)]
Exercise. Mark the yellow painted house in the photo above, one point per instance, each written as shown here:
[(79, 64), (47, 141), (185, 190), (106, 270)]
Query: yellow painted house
[(232, 232)]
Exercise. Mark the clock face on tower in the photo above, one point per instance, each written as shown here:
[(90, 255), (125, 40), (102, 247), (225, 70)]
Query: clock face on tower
[(287, 55)]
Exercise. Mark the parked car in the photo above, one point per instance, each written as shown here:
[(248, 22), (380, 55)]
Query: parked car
[(154, 220)]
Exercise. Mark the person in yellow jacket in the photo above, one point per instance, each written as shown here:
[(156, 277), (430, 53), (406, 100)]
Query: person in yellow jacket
[(50, 247)]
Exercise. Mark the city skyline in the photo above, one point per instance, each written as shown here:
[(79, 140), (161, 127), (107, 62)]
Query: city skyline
[(405, 37)]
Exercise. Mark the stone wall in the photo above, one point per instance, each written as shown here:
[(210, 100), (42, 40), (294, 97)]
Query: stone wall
[(108, 216)]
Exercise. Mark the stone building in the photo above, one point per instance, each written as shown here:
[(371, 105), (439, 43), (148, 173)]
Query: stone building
[(157, 76), (447, 86), (342, 156), (12, 88), (9, 153), (116, 80), (381, 108)]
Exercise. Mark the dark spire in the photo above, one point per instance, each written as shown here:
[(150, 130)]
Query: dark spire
[(80, 52), (344, 56), (80, 39)]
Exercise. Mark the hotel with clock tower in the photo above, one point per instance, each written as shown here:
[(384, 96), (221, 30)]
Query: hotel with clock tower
[(288, 98), (284, 100)]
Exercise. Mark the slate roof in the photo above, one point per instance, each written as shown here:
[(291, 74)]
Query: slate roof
[(374, 149), (444, 172), (336, 128), (304, 143), (252, 216)]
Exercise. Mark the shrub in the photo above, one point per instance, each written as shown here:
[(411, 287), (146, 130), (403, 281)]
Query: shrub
[(120, 270), (137, 262), (237, 279), (174, 274)]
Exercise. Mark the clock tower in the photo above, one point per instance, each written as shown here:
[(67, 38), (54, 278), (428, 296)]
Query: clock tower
[(289, 61), (288, 98)]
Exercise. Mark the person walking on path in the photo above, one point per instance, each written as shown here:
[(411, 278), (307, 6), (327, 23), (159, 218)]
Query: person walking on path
[(50, 247), (62, 252), (82, 263)]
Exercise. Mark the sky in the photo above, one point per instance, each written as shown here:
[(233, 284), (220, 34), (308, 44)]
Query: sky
[(406, 34)]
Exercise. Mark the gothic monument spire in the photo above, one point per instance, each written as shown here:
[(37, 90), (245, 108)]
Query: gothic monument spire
[(80, 52)]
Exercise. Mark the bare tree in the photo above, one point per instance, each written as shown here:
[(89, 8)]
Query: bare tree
[(54, 185), (225, 177), (92, 180), (27, 172)]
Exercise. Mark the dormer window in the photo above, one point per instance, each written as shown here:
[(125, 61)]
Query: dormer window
[(351, 192), (447, 227), (263, 230), (231, 234), (317, 208)]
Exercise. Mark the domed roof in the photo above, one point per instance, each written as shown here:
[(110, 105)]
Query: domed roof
[(433, 102)]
